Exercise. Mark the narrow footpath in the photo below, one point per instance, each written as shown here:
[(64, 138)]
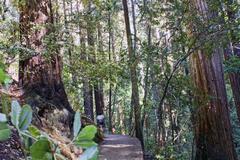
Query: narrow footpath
[(120, 147)]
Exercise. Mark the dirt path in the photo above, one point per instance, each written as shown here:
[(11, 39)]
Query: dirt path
[(120, 147)]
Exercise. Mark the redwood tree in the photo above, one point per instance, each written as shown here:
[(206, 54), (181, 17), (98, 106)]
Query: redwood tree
[(231, 51), (213, 135), (40, 73), (133, 73)]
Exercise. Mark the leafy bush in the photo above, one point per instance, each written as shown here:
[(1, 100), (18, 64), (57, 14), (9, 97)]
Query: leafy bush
[(44, 148)]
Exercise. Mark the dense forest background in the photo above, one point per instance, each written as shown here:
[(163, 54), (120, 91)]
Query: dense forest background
[(167, 72)]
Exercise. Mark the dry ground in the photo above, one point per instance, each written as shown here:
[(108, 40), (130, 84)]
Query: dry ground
[(120, 147)]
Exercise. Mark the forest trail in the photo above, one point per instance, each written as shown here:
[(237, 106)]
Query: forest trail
[(120, 147)]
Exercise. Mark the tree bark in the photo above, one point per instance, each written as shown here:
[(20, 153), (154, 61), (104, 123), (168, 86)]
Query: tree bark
[(234, 80), (110, 42), (88, 91), (233, 50), (134, 79), (87, 94), (212, 125), (98, 84), (40, 73), (213, 134)]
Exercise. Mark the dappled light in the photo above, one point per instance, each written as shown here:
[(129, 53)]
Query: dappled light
[(119, 80)]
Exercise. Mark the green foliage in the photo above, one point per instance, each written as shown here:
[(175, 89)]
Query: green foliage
[(85, 137), (34, 131), (21, 117), (5, 131), (77, 124), (15, 113), (41, 150), (86, 2), (3, 76), (3, 117), (167, 25), (90, 154), (232, 65), (6, 103), (25, 117)]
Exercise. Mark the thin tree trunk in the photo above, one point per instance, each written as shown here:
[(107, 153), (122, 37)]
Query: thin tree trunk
[(146, 81), (98, 83), (90, 56), (88, 108), (133, 2), (110, 40), (134, 79), (87, 98)]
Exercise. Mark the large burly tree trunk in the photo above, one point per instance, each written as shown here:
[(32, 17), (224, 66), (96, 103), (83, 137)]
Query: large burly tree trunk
[(213, 134), (134, 79), (40, 74), (211, 120)]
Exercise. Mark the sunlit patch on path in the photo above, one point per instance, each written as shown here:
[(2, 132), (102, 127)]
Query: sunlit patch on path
[(120, 147)]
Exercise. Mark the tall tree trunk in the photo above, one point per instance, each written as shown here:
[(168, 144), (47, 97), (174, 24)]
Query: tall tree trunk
[(212, 125), (98, 84), (146, 79), (87, 98), (40, 74), (233, 50), (234, 78), (133, 2), (134, 79), (110, 45), (213, 134), (88, 87)]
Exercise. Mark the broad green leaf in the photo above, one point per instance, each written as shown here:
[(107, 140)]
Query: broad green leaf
[(3, 117), (6, 103), (85, 144), (34, 131), (48, 156), (87, 133), (5, 131), (77, 124), (15, 113), (25, 117), (41, 150), (90, 154), (3, 76)]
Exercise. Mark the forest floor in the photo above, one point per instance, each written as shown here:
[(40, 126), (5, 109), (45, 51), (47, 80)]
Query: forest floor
[(120, 147)]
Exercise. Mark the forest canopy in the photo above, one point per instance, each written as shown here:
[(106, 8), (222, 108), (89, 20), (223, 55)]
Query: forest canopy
[(75, 74)]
